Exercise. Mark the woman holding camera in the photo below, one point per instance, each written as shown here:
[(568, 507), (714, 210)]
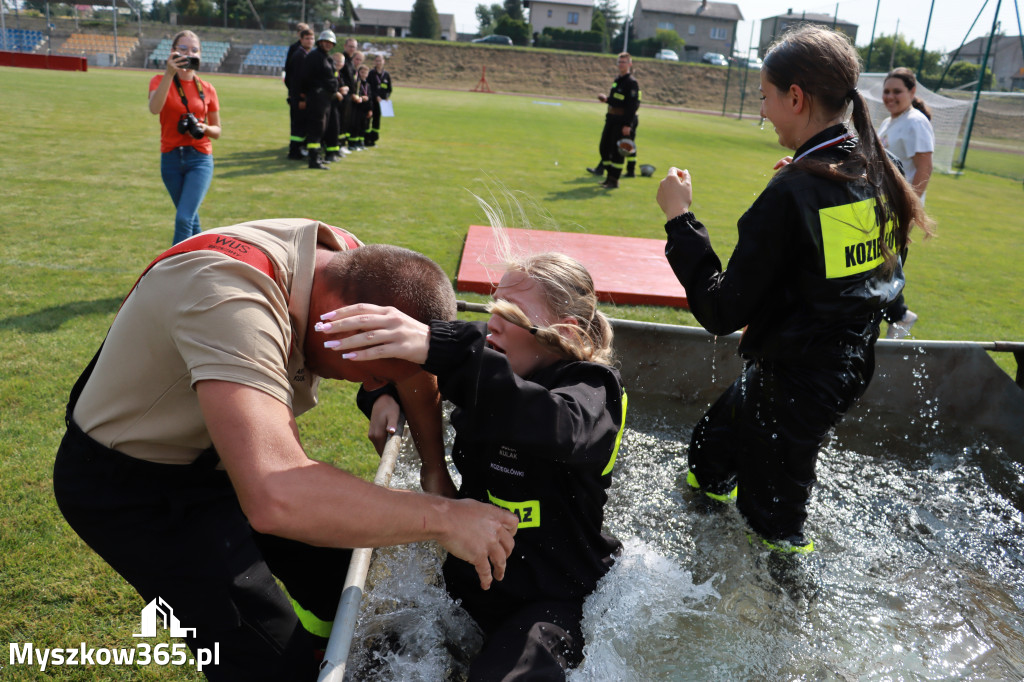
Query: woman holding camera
[(189, 120)]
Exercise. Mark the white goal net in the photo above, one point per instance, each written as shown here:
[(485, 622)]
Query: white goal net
[(948, 116)]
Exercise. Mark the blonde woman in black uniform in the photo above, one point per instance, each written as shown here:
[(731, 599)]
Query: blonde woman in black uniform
[(813, 268), (538, 420)]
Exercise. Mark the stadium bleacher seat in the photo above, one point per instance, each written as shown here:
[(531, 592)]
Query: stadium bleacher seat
[(214, 52), (22, 39), (265, 58), (97, 43)]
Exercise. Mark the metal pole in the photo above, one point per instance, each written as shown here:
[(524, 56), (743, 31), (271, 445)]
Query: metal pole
[(895, 37), (114, 7), (920, 62), (1020, 34), (952, 59), (3, 24), (725, 97), (340, 642), (746, 70), (977, 91), (625, 34), (871, 45)]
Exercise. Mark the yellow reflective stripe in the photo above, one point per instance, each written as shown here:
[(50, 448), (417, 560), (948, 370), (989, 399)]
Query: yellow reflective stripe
[(691, 480), (787, 548), (312, 624), (618, 95), (527, 511), (618, 438), (849, 237)]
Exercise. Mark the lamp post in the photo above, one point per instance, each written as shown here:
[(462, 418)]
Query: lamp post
[(625, 29)]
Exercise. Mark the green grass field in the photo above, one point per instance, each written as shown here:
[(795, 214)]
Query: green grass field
[(83, 210)]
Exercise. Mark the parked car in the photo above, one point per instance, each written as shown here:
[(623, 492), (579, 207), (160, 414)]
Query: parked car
[(494, 39), (716, 58), (754, 63), (668, 55)]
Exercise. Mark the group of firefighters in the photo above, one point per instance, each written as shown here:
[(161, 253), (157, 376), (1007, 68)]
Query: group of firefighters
[(334, 99)]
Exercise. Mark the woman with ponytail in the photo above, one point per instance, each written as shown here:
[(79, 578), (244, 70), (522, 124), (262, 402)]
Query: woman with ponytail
[(813, 268), (538, 420), (908, 135)]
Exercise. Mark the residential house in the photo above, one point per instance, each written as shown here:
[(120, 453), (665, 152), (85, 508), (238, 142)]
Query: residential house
[(395, 24), (1004, 60), (705, 26), (773, 27), (574, 15)]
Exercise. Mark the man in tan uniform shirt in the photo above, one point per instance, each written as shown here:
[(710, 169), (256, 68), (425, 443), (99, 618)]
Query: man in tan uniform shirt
[(182, 464)]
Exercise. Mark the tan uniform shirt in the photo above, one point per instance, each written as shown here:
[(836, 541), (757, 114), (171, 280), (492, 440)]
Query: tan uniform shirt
[(204, 315)]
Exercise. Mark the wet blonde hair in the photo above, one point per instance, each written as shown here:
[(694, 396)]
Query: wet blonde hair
[(568, 293)]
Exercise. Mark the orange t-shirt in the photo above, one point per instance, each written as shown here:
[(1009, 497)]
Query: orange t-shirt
[(170, 138)]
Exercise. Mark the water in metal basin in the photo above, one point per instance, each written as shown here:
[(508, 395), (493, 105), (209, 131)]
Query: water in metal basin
[(918, 575)]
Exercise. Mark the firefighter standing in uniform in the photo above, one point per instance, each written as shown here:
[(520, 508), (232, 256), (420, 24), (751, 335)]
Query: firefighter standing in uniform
[(320, 86), (623, 101), (296, 104), (380, 89), (347, 78)]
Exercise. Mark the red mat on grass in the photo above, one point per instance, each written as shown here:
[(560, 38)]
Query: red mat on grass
[(626, 270)]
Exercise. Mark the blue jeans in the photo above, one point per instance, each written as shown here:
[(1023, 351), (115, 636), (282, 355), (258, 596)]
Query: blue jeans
[(187, 174)]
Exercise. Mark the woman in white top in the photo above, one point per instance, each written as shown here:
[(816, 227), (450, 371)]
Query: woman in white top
[(907, 133)]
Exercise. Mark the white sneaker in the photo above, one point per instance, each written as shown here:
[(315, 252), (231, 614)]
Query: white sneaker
[(898, 330)]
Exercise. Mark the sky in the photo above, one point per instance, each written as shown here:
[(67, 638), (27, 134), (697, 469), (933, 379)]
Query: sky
[(950, 21)]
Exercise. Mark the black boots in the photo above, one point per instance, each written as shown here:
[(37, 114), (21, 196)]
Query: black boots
[(314, 160), (613, 178), (295, 151)]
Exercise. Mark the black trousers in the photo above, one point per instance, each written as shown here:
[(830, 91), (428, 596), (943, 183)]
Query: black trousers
[(373, 132), (297, 120), (319, 128), (178, 532), (764, 432), (523, 640), (611, 156)]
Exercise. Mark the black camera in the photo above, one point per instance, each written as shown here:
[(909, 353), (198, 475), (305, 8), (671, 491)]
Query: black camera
[(188, 123), (192, 63)]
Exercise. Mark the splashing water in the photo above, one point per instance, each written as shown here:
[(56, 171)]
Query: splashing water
[(918, 575)]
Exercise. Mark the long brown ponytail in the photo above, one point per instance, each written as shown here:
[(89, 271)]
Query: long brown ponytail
[(826, 67)]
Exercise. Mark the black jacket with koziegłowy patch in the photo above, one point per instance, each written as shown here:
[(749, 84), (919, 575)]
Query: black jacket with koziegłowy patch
[(806, 276)]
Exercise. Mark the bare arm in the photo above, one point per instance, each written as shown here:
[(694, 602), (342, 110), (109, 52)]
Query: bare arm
[(922, 171), (422, 403), (158, 97), (212, 127), (283, 492)]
